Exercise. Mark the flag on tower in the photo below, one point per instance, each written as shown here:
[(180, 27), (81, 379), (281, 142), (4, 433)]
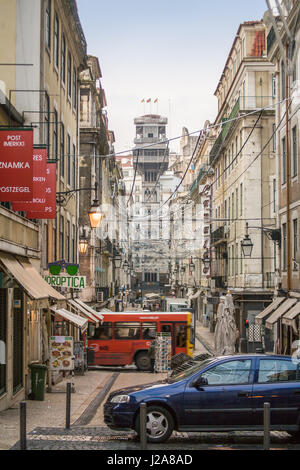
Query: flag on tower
[(148, 101)]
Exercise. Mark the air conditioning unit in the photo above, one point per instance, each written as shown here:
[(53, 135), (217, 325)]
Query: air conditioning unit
[(99, 297)]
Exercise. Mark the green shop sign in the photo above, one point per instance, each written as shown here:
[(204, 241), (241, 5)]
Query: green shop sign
[(71, 279), (75, 282)]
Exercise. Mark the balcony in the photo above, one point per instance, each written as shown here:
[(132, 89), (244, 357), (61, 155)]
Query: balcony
[(203, 171), (218, 235)]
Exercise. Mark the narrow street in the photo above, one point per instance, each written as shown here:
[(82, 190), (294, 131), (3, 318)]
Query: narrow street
[(46, 429)]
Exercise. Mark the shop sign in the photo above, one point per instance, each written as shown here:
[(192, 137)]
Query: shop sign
[(74, 282), (16, 164), (38, 201), (61, 353), (49, 210), (206, 198)]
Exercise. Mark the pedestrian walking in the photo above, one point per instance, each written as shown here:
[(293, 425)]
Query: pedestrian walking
[(151, 351), (237, 338)]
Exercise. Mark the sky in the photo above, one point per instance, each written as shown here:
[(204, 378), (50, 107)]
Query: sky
[(169, 50)]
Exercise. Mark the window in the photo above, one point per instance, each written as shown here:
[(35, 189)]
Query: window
[(55, 135), (232, 372), (61, 237), (241, 199), (242, 260), (63, 59), (232, 259), (236, 259), (74, 167), (180, 336), (69, 159), (127, 330), (47, 120), (274, 138), (283, 84), (62, 150), (56, 39), (237, 202), (295, 236), (48, 23), (68, 240), (232, 202), (284, 248), (148, 330), (236, 149), (295, 151), (273, 86), (73, 244), (241, 141), (54, 240), (283, 161), (74, 88), (278, 370), (274, 195), (103, 332), (69, 74)]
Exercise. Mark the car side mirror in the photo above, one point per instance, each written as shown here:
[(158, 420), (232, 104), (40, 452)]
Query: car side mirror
[(198, 383)]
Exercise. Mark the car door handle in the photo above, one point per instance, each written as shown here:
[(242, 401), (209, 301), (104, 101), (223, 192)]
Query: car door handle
[(243, 394)]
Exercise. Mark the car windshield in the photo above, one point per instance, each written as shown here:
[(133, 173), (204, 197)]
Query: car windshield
[(190, 371)]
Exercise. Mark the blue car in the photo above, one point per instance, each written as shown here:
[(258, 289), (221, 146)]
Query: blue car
[(218, 394)]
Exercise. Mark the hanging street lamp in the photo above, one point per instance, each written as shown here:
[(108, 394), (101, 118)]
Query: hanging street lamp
[(246, 244)]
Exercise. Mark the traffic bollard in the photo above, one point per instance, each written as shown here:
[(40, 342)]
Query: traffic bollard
[(266, 426), (68, 405), (22, 425), (143, 430)]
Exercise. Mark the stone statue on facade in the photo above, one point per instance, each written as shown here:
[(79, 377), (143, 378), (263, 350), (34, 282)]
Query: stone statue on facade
[(225, 331)]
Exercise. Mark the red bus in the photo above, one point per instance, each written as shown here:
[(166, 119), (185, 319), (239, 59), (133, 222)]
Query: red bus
[(124, 337)]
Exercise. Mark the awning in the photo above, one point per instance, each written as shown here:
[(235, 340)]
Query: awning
[(152, 296), (269, 309), (74, 319), (195, 296), (84, 312), (281, 310), (90, 309), (27, 276), (291, 315)]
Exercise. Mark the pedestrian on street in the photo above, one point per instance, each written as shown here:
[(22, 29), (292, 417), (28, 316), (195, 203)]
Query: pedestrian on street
[(151, 351), (237, 337)]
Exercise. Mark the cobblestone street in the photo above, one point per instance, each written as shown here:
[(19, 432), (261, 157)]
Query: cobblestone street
[(101, 438)]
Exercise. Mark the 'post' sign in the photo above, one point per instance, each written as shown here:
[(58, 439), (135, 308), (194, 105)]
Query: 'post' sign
[(16, 164)]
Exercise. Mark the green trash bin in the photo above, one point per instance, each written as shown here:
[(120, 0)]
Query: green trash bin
[(38, 381)]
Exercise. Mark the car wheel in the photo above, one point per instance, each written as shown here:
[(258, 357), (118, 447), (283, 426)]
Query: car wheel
[(142, 361), (159, 424)]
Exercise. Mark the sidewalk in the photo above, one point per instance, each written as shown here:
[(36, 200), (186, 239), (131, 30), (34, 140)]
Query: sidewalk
[(205, 336), (52, 411)]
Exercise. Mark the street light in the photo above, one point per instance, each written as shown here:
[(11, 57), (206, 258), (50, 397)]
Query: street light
[(83, 246), (95, 213), (83, 243), (246, 244), (192, 266), (206, 259), (118, 261)]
